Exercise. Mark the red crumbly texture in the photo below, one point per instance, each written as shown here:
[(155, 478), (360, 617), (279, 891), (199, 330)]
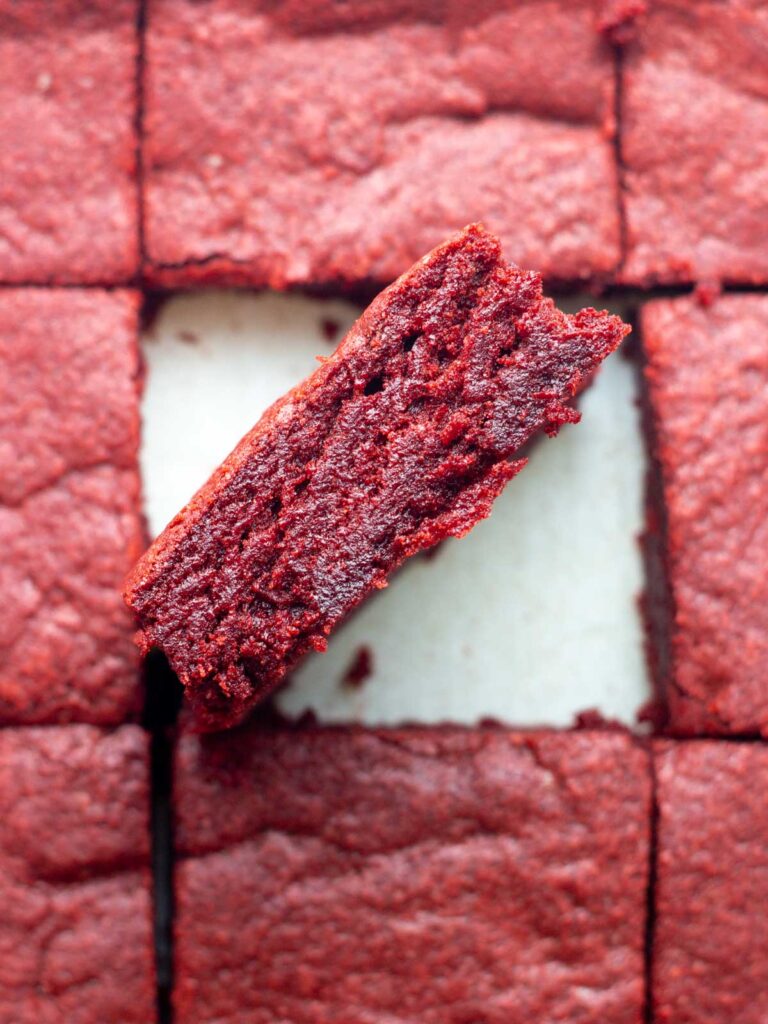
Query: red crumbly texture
[(75, 886), (404, 436), (68, 191), (694, 141), (360, 668), (711, 931), (70, 520), (706, 373), (308, 143), (426, 874)]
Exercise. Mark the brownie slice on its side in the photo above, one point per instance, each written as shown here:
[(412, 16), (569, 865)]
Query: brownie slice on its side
[(694, 141), (403, 437), (423, 874), (706, 373), (711, 930), (70, 517), (332, 144), (68, 106), (75, 884)]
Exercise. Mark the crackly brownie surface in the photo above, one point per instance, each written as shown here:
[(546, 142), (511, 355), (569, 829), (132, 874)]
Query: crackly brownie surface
[(70, 522), (430, 874), (68, 196), (710, 935), (75, 906), (401, 438), (695, 142), (707, 391), (317, 143)]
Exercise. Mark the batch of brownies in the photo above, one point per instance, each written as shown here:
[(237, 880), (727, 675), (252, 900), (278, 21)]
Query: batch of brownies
[(439, 875)]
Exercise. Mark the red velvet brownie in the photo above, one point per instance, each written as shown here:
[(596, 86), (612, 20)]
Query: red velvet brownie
[(695, 142), (70, 520), (425, 874), (75, 889), (401, 438), (309, 143), (711, 931), (706, 376), (68, 194)]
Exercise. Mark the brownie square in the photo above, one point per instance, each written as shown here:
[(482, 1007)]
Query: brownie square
[(430, 874), (75, 887), (711, 932), (70, 519), (706, 375), (308, 143), (400, 439), (694, 131), (68, 192)]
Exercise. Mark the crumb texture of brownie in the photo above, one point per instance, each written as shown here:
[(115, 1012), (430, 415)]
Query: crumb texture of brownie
[(68, 192), (403, 437), (710, 933), (706, 374), (70, 517), (694, 142), (430, 874), (75, 885), (332, 144)]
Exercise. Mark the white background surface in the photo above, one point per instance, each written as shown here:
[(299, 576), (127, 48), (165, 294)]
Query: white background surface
[(530, 619)]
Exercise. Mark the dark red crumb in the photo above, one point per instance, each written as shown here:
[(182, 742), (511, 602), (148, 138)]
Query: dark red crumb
[(592, 719), (653, 713), (402, 437), (360, 668), (330, 329), (189, 337), (707, 292)]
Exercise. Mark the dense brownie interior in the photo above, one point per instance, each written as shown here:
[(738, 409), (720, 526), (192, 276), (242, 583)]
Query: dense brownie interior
[(402, 438)]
